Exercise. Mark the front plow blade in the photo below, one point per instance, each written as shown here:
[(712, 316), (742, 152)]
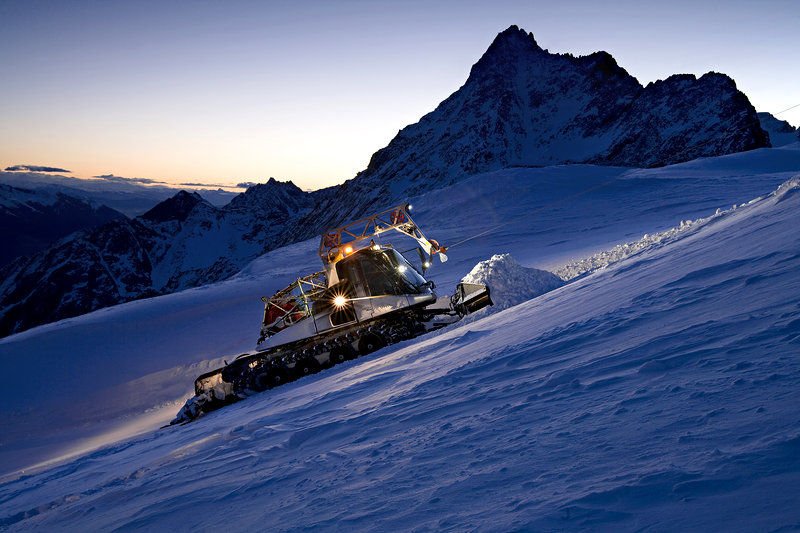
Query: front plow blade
[(470, 297)]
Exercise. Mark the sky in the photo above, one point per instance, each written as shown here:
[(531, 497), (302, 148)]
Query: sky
[(226, 92)]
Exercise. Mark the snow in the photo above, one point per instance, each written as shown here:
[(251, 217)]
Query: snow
[(657, 390), (510, 282)]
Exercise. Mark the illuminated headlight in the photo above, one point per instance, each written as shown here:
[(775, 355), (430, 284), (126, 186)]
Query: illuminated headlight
[(401, 268), (348, 250), (339, 301), (426, 264)]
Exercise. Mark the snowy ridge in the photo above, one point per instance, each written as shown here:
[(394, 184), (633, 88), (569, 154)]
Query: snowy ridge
[(659, 393)]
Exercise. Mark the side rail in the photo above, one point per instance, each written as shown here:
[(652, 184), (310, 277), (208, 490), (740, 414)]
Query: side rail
[(291, 304)]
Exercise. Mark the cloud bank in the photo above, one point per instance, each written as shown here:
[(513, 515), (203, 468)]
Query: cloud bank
[(191, 184), (120, 179), (34, 168)]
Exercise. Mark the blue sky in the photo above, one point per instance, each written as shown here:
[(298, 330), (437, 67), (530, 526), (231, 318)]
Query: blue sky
[(235, 91)]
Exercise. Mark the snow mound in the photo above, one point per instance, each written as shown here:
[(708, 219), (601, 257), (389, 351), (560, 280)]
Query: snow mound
[(511, 283)]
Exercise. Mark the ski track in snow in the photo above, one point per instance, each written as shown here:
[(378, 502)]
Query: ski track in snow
[(657, 392)]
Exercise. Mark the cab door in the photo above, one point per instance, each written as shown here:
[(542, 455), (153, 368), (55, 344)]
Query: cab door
[(352, 270)]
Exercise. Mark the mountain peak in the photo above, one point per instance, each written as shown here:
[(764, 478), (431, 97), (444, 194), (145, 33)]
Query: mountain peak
[(512, 42), (268, 196), (511, 46), (176, 207), (514, 36)]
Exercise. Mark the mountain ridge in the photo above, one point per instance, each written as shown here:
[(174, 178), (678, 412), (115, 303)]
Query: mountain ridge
[(524, 106), (34, 219), (182, 242)]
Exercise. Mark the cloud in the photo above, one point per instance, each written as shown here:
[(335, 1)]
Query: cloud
[(34, 168), (246, 184), (190, 184), (120, 179)]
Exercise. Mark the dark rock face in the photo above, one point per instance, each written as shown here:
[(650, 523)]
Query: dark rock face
[(523, 106), (683, 118), (182, 242), (32, 220)]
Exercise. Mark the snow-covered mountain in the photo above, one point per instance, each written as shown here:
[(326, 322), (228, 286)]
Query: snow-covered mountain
[(521, 106), (182, 242), (657, 391), (524, 106), (33, 219), (780, 132)]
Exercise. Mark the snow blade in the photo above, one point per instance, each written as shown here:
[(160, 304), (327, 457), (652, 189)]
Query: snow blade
[(470, 297)]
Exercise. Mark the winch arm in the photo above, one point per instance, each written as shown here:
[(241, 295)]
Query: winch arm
[(335, 242)]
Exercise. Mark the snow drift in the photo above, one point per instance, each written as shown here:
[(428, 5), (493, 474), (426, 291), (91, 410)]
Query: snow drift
[(510, 282)]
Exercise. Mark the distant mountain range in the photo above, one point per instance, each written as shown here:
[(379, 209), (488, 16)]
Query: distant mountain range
[(126, 196), (182, 242), (33, 219), (520, 106)]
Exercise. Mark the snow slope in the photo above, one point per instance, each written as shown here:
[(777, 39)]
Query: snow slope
[(94, 379), (658, 393)]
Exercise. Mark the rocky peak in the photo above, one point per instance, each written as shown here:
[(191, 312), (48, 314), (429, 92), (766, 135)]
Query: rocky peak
[(605, 65), (511, 46), (281, 195), (176, 207), (513, 40)]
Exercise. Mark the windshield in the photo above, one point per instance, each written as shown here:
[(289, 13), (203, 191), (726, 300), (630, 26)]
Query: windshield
[(406, 270), (384, 272)]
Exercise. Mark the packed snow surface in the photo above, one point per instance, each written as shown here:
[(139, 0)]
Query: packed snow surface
[(656, 392)]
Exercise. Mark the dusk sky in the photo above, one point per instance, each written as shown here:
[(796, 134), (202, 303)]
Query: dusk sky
[(224, 92)]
